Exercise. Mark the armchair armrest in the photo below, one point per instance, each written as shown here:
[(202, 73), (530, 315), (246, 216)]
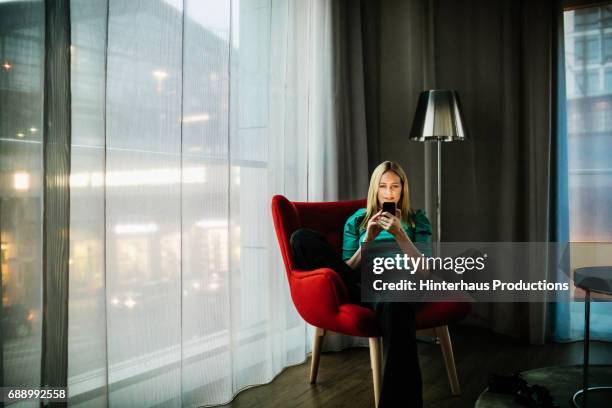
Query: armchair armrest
[(317, 295)]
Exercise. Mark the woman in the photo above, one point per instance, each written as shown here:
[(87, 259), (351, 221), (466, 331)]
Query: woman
[(402, 384), (387, 184)]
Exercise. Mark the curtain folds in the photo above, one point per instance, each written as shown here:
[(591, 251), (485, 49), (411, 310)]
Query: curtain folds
[(500, 186), (348, 96), (350, 63), (186, 118), (209, 109), (406, 67)]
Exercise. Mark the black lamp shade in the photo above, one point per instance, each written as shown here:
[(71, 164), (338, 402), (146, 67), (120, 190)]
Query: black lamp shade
[(438, 117)]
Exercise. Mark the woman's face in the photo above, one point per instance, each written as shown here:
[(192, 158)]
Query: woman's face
[(389, 188)]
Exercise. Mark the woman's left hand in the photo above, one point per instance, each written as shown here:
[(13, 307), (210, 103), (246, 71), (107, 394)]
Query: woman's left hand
[(392, 223)]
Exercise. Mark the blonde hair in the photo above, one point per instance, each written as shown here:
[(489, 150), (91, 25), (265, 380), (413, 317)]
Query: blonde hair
[(404, 201)]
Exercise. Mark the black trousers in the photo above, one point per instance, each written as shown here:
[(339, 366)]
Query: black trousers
[(402, 384)]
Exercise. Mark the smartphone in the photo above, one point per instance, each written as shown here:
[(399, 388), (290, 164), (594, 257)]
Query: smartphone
[(389, 207)]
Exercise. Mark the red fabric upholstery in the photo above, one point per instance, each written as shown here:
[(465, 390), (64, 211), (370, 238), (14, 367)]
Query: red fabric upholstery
[(320, 296)]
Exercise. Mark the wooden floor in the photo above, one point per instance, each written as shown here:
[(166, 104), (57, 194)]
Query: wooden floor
[(345, 378)]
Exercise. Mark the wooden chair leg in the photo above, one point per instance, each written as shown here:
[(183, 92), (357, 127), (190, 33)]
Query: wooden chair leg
[(449, 359), (316, 354), (376, 362)]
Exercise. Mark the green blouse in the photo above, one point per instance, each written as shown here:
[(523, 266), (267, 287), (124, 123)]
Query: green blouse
[(353, 235)]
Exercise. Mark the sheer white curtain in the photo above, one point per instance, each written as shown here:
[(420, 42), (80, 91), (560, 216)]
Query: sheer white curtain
[(188, 116)]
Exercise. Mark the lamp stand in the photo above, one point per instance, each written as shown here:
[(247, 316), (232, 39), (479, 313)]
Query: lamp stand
[(439, 195)]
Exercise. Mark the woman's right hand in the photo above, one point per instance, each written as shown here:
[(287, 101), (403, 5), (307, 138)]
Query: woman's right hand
[(373, 229)]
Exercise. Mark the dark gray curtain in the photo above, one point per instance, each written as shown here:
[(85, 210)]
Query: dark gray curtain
[(383, 59), (406, 67), (356, 79), (499, 185), (56, 208)]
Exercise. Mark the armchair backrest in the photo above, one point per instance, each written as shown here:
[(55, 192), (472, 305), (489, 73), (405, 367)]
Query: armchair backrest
[(328, 218)]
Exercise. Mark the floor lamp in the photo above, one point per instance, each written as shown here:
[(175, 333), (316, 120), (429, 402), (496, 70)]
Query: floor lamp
[(438, 118)]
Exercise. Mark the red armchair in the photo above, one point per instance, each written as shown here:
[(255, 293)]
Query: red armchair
[(331, 310)]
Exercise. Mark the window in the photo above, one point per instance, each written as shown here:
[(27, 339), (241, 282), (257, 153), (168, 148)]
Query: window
[(599, 115), (606, 17), (608, 81), (579, 57), (607, 48), (592, 54), (589, 113), (592, 82), (608, 120), (586, 19), (575, 123), (589, 163), (587, 50)]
